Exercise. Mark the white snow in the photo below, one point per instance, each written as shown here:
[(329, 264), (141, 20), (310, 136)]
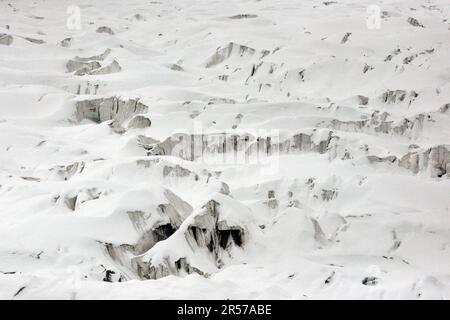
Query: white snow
[(351, 201)]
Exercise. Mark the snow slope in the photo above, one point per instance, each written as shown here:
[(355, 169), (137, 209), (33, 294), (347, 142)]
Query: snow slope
[(224, 149)]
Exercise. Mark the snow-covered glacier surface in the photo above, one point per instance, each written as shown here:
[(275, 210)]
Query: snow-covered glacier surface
[(200, 149)]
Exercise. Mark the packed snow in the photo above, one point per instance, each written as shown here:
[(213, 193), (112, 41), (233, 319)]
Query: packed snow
[(205, 149)]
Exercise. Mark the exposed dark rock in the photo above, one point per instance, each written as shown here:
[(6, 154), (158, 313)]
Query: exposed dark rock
[(370, 281), (113, 67), (112, 108), (182, 264), (191, 147), (105, 29), (36, 17), (409, 59), (272, 202), (7, 272), (301, 74), (148, 143), (99, 57), (66, 172), (19, 291), (224, 53), (217, 233), (390, 159), (328, 195), (363, 100), (183, 209), (379, 123), (330, 278), (414, 22), (367, 68), (163, 270), (206, 231), (139, 122), (393, 96), (139, 17), (171, 215), (319, 235), (71, 202), (150, 237), (435, 159), (223, 77), (117, 127), (176, 67), (355, 126), (36, 41), (243, 16), (6, 39), (224, 189), (148, 163), (176, 171), (397, 96), (392, 55), (439, 158), (444, 108), (31, 179), (82, 67), (66, 42), (345, 38), (230, 236), (87, 194), (109, 275), (91, 65)]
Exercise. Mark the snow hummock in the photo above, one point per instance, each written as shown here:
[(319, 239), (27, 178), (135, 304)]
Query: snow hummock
[(224, 150)]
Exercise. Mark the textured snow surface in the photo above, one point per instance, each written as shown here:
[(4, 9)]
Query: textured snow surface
[(341, 183)]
